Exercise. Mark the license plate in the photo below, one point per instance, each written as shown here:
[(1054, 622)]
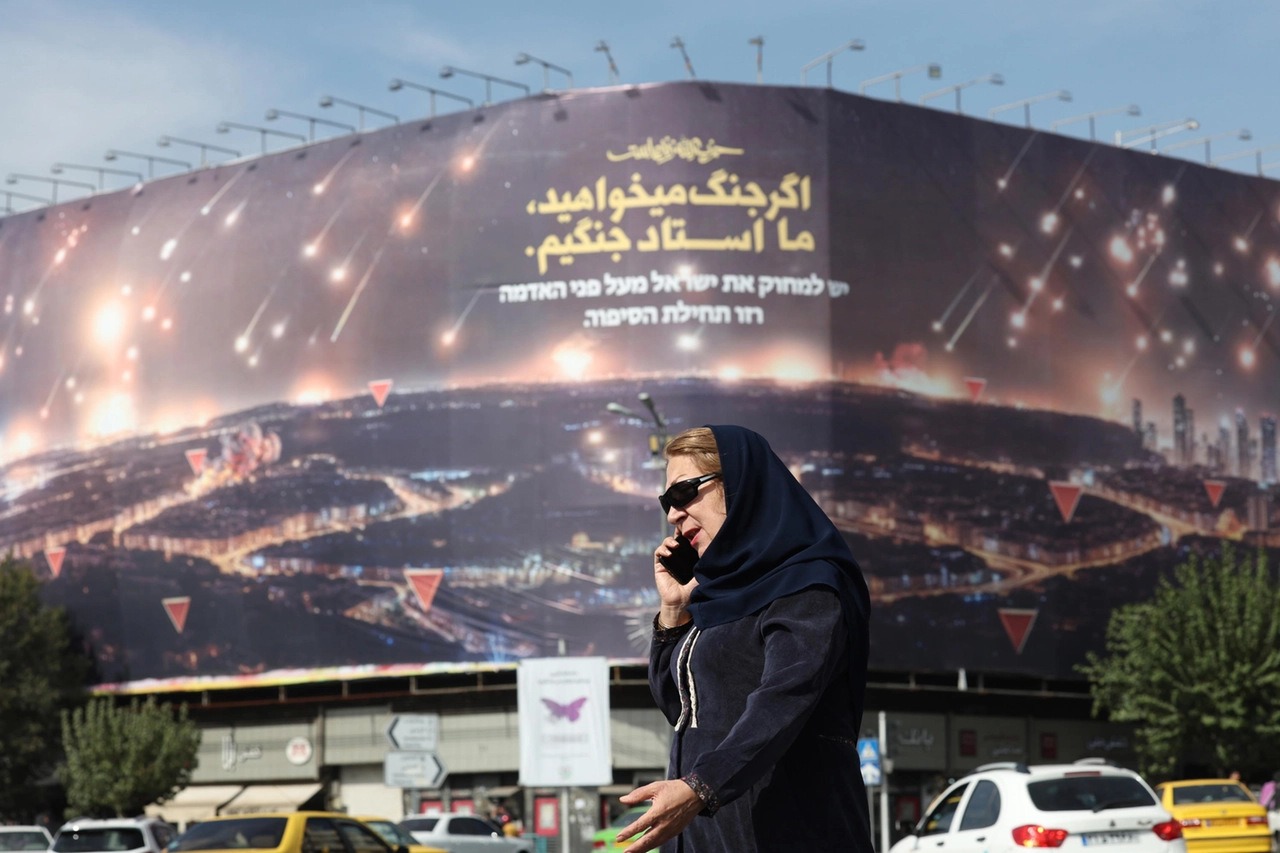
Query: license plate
[(1224, 821), (1097, 839)]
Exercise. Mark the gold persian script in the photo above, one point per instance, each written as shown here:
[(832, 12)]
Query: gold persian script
[(669, 148)]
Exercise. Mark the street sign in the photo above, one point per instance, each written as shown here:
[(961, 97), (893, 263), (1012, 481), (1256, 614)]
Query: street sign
[(869, 760), (414, 732), (413, 770)]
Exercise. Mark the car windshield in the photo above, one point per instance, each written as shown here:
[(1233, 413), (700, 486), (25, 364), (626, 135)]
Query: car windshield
[(390, 833), (627, 818), (1089, 793), (98, 840), (420, 824), (24, 839), (1223, 792), (248, 833)]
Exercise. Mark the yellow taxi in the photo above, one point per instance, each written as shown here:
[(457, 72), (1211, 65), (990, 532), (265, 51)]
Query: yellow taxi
[(1217, 816), (292, 832)]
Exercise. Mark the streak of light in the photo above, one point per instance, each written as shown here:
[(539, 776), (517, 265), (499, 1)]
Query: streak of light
[(1004, 181), (339, 273), (351, 304), (1137, 282), (319, 188), (405, 222), (248, 332), (167, 250), (1263, 330), (452, 334), (1037, 283), (941, 321), (964, 324), (235, 213), (314, 246), (209, 205)]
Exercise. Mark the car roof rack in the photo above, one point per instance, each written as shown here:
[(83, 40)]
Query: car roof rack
[(1016, 766)]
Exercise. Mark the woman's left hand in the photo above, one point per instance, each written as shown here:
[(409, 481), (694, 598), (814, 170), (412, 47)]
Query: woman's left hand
[(675, 805)]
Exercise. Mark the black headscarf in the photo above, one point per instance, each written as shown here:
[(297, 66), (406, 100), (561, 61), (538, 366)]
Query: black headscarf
[(774, 542)]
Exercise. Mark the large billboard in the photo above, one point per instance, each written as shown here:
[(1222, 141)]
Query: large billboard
[(341, 410)]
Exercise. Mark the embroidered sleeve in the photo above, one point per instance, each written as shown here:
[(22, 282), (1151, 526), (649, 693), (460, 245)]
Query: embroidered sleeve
[(704, 792), (668, 635)]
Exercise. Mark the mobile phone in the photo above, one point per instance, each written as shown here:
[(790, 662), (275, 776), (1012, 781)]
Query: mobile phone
[(681, 561)]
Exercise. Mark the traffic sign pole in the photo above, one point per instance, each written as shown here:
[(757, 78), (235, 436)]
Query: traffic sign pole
[(884, 786)]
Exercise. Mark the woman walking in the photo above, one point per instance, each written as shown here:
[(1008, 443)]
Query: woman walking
[(759, 662)]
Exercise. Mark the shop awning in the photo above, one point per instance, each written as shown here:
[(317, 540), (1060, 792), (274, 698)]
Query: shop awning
[(256, 799), (196, 803), (500, 793)]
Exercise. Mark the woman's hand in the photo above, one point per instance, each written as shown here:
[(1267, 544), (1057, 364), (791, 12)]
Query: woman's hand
[(675, 805), (675, 597)]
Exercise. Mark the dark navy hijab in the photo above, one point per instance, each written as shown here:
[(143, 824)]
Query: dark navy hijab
[(775, 541)]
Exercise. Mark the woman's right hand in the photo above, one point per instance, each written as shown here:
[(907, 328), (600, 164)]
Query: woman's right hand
[(674, 595)]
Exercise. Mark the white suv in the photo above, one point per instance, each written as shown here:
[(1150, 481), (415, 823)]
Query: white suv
[(85, 835), (463, 833), (1004, 807)]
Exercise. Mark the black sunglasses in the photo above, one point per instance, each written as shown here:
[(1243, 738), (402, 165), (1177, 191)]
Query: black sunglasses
[(679, 494)]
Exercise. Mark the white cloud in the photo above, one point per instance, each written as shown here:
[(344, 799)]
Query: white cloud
[(79, 79)]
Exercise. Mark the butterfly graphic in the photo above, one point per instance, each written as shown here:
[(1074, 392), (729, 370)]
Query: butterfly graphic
[(568, 712)]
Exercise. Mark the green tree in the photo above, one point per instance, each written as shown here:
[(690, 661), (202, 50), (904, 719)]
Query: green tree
[(1197, 666), (41, 674), (120, 760)]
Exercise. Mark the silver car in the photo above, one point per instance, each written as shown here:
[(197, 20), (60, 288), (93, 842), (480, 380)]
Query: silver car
[(464, 833)]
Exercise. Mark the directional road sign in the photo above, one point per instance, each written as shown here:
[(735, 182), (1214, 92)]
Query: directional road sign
[(413, 770), (869, 760), (415, 732)]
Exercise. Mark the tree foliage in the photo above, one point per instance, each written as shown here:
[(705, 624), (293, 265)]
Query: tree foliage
[(41, 674), (120, 760), (1197, 667)]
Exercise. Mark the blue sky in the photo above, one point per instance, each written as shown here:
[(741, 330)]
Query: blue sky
[(77, 77)]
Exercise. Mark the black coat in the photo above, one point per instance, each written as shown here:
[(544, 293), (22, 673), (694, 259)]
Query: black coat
[(766, 729)]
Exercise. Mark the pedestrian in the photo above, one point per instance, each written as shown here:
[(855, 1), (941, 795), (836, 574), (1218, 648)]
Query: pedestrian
[(1235, 776), (1268, 795), (759, 662)]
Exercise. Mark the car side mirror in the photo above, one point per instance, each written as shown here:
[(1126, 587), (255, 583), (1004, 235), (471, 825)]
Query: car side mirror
[(907, 827)]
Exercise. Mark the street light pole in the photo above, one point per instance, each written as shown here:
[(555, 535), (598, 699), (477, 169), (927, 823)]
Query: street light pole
[(614, 77), (226, 127), (1256, 152), (102, 172), (205, 148), (758, 41), (996, 79), (1132, 109), (829, 58), (450, 70), (14, 177), (312, 121), (934, 69), (116, 154), (1243, 133), (678, 44), (1025, 103), (1154, 132), (10, 195), (330, 100), (397, 84), (547, 68)]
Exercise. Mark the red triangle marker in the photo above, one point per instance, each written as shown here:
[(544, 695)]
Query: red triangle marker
[(424, 583), (1067, 496), (1215, 488), (380, 389), (177, 609), (976, 387), (53, 556), (195, 458), (1017, 624)]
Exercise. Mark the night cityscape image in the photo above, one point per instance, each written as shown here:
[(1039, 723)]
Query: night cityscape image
[(344, 409)]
